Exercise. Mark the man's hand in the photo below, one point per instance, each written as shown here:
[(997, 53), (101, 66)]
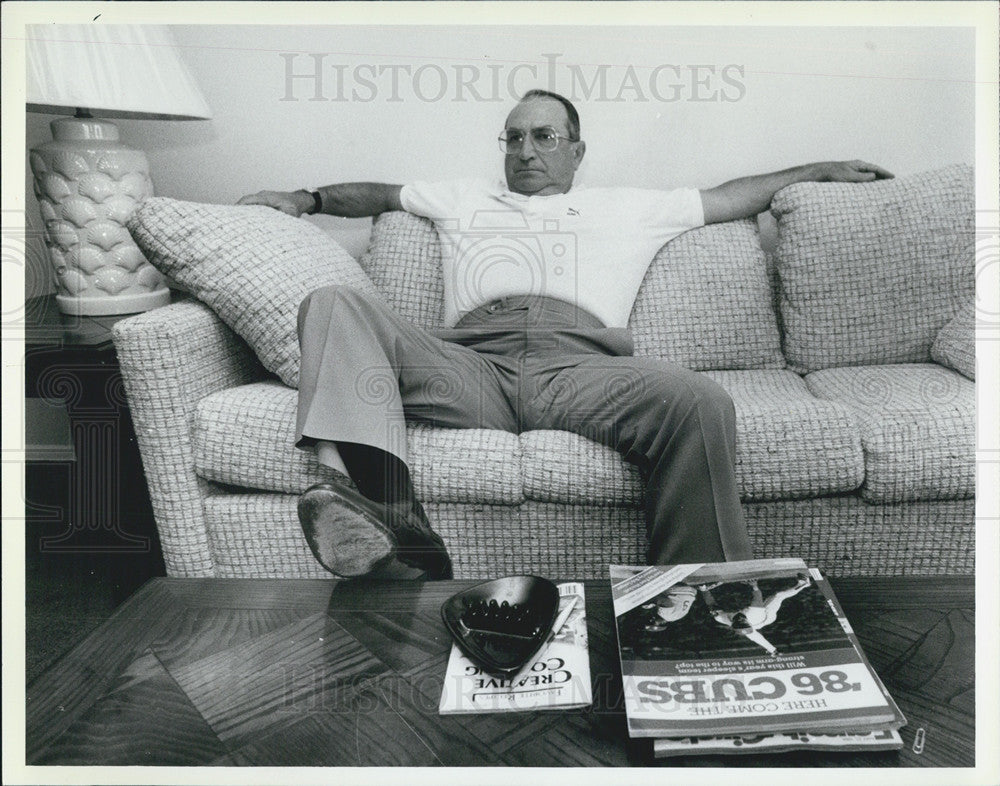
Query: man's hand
[(849, 172), (748, 196), (294, 203)]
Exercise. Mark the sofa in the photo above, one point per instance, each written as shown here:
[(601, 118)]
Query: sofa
[(848, 350)]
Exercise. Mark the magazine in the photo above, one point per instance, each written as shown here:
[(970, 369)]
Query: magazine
[(779, 743), (559, 677), (741, 648)]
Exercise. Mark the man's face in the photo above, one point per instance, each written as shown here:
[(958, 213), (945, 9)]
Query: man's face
[(535, 173), (674, 603)]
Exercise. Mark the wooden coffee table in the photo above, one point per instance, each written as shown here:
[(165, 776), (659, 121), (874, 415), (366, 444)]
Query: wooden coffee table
[(283, 672)]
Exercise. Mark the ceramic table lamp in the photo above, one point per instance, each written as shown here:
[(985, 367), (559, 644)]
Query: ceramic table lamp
[(86, 180)]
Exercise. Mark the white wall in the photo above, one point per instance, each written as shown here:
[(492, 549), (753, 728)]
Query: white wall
[(900, 97)]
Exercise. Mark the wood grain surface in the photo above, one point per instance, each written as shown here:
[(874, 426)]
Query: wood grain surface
[(324, 673)]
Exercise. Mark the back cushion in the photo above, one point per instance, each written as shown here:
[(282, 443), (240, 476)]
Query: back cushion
[(870, 272), (404, 261), (706, 302)]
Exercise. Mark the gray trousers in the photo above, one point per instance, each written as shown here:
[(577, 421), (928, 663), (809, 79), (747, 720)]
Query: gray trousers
[(527, 363)]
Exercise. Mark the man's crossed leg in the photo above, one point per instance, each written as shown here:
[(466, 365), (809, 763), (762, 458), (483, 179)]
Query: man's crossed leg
[(366, 370)]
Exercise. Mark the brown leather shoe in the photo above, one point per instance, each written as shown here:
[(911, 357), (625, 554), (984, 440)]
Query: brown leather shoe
[(417, 544), (344, 530), (351, 535)]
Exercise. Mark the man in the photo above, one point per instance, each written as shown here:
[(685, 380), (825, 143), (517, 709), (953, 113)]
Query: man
[(757, 614), (670, 605), (535, 339)]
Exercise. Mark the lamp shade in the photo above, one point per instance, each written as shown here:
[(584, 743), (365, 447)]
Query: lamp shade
[(126, 71)]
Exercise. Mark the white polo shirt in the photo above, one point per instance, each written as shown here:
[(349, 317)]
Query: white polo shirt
[(590, 246)]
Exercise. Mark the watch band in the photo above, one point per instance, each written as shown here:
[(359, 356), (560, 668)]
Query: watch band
[(317, 200)]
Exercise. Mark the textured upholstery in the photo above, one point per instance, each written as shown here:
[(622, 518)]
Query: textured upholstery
[(566, 468), (706, 302), (789, 444), (846, 536), (171, 358), (404, 261), (258, 535), (244, 437), (955, 345), (870, 272), (917, 428), (252, 265)]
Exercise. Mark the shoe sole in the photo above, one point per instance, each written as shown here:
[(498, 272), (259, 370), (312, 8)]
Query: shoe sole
[(345, 540)]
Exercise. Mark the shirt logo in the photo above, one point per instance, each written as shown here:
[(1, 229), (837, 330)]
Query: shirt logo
[(572, 211)]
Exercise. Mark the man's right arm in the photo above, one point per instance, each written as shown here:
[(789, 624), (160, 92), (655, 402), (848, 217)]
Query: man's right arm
[(348, 200)]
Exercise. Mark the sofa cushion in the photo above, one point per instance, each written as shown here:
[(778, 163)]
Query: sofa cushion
[(252, 265), (404, 261), (560, 466), (245, 436), (870, 272), (918, 428), (789, 444), (955, 345), (706, 302)]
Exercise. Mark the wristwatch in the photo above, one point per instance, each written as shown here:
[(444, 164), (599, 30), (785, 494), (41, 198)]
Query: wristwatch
[(317, 201)]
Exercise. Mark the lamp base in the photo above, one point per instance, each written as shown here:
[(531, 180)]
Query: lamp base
[(80, 306), (88, 184)]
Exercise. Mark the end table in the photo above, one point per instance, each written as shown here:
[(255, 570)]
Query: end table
[(93, 501)]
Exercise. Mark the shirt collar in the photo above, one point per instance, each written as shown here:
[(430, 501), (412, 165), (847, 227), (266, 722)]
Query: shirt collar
[(502, 190)]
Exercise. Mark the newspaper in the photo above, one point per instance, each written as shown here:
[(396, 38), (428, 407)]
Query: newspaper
[(559, 678), (779, 743), (741, 648)]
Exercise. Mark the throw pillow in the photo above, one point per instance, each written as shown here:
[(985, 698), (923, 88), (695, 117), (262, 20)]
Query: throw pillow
[(955, 345), (706, 302), (870, 272), (250, 264)]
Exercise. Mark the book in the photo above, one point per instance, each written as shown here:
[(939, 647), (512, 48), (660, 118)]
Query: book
[(783, 742), (741, 648), (558, 677)]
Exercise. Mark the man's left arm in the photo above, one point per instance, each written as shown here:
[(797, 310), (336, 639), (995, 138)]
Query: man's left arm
[(748, 196)]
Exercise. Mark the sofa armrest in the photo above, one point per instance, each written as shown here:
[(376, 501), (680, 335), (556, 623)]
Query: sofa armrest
[(171, 358)]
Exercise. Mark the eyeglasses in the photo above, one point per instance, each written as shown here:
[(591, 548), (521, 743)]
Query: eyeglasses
[(544, 140)]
